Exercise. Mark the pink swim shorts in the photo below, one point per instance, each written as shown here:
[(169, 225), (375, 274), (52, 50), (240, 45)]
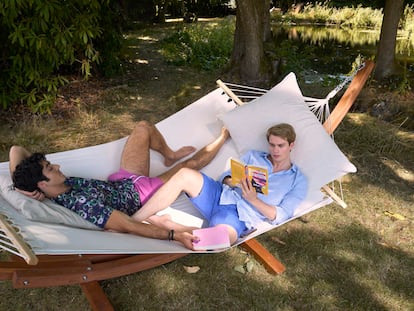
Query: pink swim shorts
[(146, 186)]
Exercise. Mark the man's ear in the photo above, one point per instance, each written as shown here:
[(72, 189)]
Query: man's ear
[(292, 144), (42, 184)]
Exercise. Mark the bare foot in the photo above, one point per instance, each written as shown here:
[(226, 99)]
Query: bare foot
[(225, 133), (178, 155)]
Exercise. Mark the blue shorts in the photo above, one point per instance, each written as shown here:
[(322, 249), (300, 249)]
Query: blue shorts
[(208, 204)]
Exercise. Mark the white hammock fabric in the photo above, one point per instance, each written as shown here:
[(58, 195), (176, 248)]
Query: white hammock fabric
[(196, 125)]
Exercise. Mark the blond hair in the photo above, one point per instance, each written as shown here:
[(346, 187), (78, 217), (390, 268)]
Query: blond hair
[(283, 130)]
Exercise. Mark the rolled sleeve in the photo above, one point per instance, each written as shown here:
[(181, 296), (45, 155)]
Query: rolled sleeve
[(281, 216)]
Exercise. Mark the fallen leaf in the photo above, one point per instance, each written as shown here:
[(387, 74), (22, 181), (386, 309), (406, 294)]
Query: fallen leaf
[(249, 266), (275, 239), (387, 245), (394, 215), (240, 269), (191, 269)]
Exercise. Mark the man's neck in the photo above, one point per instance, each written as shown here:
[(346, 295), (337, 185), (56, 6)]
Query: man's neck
[(281, 166), (54, 192)]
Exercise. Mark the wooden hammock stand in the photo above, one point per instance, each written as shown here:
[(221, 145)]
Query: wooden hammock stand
[(88, 270)]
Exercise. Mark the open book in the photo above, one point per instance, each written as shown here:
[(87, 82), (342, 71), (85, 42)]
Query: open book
[(211, 238), (255, 174)]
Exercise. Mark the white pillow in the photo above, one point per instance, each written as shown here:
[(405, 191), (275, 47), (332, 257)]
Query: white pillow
[(315, 153), (45, 211)]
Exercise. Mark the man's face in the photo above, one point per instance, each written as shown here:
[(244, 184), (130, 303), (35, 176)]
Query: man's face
[(53, 173), (279, 149)]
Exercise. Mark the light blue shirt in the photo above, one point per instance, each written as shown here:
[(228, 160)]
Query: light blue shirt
[(287, 189)]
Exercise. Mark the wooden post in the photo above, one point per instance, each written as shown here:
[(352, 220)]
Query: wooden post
[(348, 99), (271, 264), (96, 297)]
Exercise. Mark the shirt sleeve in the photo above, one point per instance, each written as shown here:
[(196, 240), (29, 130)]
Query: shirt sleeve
[(292, 199)]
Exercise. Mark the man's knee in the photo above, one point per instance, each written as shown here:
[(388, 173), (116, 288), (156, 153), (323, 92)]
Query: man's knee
[(142, 130), (143, 125), (186, 176), (184, 173), (187, 180)]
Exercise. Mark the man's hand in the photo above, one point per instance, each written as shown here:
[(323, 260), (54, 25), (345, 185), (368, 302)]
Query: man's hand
[(16, 155), (250, 195), (186, 238), (248, 191), (37, 195)]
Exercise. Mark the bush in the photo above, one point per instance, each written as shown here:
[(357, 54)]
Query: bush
[(207, 47), (41, 39)]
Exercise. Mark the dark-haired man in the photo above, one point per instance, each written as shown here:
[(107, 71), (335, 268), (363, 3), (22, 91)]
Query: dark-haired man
[(109, 204)]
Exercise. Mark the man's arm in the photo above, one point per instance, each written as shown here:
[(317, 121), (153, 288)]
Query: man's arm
[(121, 222), (250, 195), (16, 155)]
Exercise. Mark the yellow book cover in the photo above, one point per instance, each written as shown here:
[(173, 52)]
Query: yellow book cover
[(257, 175)]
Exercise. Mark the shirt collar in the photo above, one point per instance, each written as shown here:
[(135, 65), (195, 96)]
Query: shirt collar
[(292, 169)]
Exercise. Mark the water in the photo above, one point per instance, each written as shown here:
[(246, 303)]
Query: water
[(332, 50)]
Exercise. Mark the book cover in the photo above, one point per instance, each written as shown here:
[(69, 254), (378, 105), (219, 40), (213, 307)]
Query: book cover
[(211, 238), (257, 175)]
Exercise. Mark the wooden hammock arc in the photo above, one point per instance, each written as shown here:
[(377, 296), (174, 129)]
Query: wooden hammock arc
[(88, 270)]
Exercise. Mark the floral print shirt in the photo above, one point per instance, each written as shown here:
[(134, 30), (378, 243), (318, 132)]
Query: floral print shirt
[(95, 200)]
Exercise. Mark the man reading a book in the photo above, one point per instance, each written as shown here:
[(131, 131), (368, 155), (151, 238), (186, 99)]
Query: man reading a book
[(240, 209)]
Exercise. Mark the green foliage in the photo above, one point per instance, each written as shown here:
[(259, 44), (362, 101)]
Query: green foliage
[(110, 42), (41, 39), (201, 46)]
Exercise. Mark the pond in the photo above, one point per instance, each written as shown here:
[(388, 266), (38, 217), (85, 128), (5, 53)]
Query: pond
[(332, 50)]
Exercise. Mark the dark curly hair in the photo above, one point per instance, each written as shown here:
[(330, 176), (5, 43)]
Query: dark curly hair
[(29, 172)]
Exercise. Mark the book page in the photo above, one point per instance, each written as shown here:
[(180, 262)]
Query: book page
[(257, 175), (258, 178)]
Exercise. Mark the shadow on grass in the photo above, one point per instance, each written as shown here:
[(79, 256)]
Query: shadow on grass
[(380, 152), (346, 269)]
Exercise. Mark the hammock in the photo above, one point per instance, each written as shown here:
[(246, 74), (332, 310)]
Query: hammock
[(47, 243)]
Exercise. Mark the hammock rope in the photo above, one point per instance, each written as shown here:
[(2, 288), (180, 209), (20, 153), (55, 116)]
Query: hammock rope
[(320, 107)]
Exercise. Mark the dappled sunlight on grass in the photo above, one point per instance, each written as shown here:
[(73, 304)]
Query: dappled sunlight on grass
[(402, 172), (146, 38), (348, 260), (382, 153), (141, 61)]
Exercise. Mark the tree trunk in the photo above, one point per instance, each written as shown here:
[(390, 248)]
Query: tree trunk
[(385, 60), (248, 61)]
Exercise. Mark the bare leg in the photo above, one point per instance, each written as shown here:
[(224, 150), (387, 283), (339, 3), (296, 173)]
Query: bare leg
[(145, 136), (202, 157), (185, 179), (165, 221)]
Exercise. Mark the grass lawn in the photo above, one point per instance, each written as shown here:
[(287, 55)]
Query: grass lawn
[(358, 258)]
